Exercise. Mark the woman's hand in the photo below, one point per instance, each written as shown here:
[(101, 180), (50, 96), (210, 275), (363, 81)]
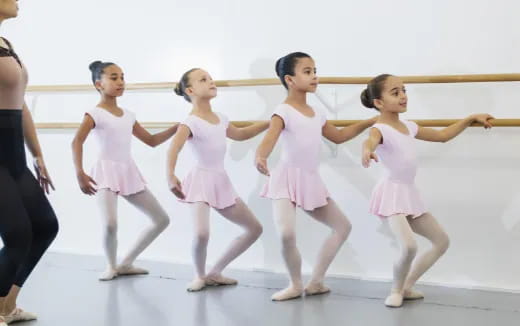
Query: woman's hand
[(42, 175)]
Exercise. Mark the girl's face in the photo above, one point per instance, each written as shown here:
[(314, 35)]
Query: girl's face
[(393, 98), (112, 82), (8, 9), (305, 78), (201, 85)]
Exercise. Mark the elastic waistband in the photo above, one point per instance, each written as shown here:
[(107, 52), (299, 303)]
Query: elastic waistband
[(309, 169), (211, 169), (409, 182), (11, 119), (10, 112)]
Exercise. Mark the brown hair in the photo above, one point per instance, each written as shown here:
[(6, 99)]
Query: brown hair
[(286, 64), (180, 87), (373, 91)]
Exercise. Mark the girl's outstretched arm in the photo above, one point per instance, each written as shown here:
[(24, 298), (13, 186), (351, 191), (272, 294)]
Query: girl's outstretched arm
[(450, 132), (246, 132), (344, 134), (153, 140)]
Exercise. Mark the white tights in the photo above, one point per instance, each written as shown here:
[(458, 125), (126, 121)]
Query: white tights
[(403, 228), (239, 214), (285, 220), (146, 203)]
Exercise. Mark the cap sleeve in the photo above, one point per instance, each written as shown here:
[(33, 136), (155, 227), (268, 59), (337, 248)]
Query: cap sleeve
[(322, 115), (413, 128), (383, 130), (223, 119), (191, 123), (96, 116), (131, 115), (282, 112)]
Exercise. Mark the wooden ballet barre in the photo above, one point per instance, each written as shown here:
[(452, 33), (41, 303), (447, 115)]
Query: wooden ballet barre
[(423, 123), (337, 123), (481, 78)]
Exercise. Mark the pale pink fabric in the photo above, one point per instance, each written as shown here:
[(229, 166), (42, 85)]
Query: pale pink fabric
[(296, 177), (115, 168), (208, 181), (396, 193)]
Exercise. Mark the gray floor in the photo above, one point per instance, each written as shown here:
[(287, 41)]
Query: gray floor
[(64, 291)]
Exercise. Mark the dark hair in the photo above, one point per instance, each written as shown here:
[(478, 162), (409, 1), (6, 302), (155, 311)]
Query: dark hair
[(285, 65), (373, 90), (97, 68), (184, 83)]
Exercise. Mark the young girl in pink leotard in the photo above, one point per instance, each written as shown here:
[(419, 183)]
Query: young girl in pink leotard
[(296, 180), (396, 198), (115, 173), (208, 185)]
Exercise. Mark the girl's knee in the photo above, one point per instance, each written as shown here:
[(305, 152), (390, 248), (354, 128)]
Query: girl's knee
[(443, 243), (202, 238), (345, 230), (256, 230), (288, 238), (409, 250), (111, 228), (163, 222)]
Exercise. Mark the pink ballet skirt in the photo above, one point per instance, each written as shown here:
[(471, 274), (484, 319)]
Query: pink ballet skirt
[(208, 181), (115, 169), (302, 187), (210, 186), (396, 193), (121, 177), (391, 198), (297, 176)]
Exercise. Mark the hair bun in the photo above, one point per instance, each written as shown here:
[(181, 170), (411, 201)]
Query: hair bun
[(278, 67), (178, 90), (366, 100), (95, 65)]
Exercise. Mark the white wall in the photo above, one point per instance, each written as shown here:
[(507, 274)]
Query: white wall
[(470, 184)]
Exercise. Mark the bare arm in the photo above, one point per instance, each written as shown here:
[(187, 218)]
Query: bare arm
[(370, 145), (29, 133), (266, 147), (342, 135), (153, 140), (182, 135), (31, 139), (246, 132), (86, 183), (450, 132)]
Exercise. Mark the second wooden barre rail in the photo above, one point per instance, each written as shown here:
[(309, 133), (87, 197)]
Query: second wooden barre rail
[(337, 123), (478, 78)]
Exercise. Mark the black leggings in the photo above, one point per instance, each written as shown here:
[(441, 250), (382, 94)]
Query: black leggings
[(28, 224)]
